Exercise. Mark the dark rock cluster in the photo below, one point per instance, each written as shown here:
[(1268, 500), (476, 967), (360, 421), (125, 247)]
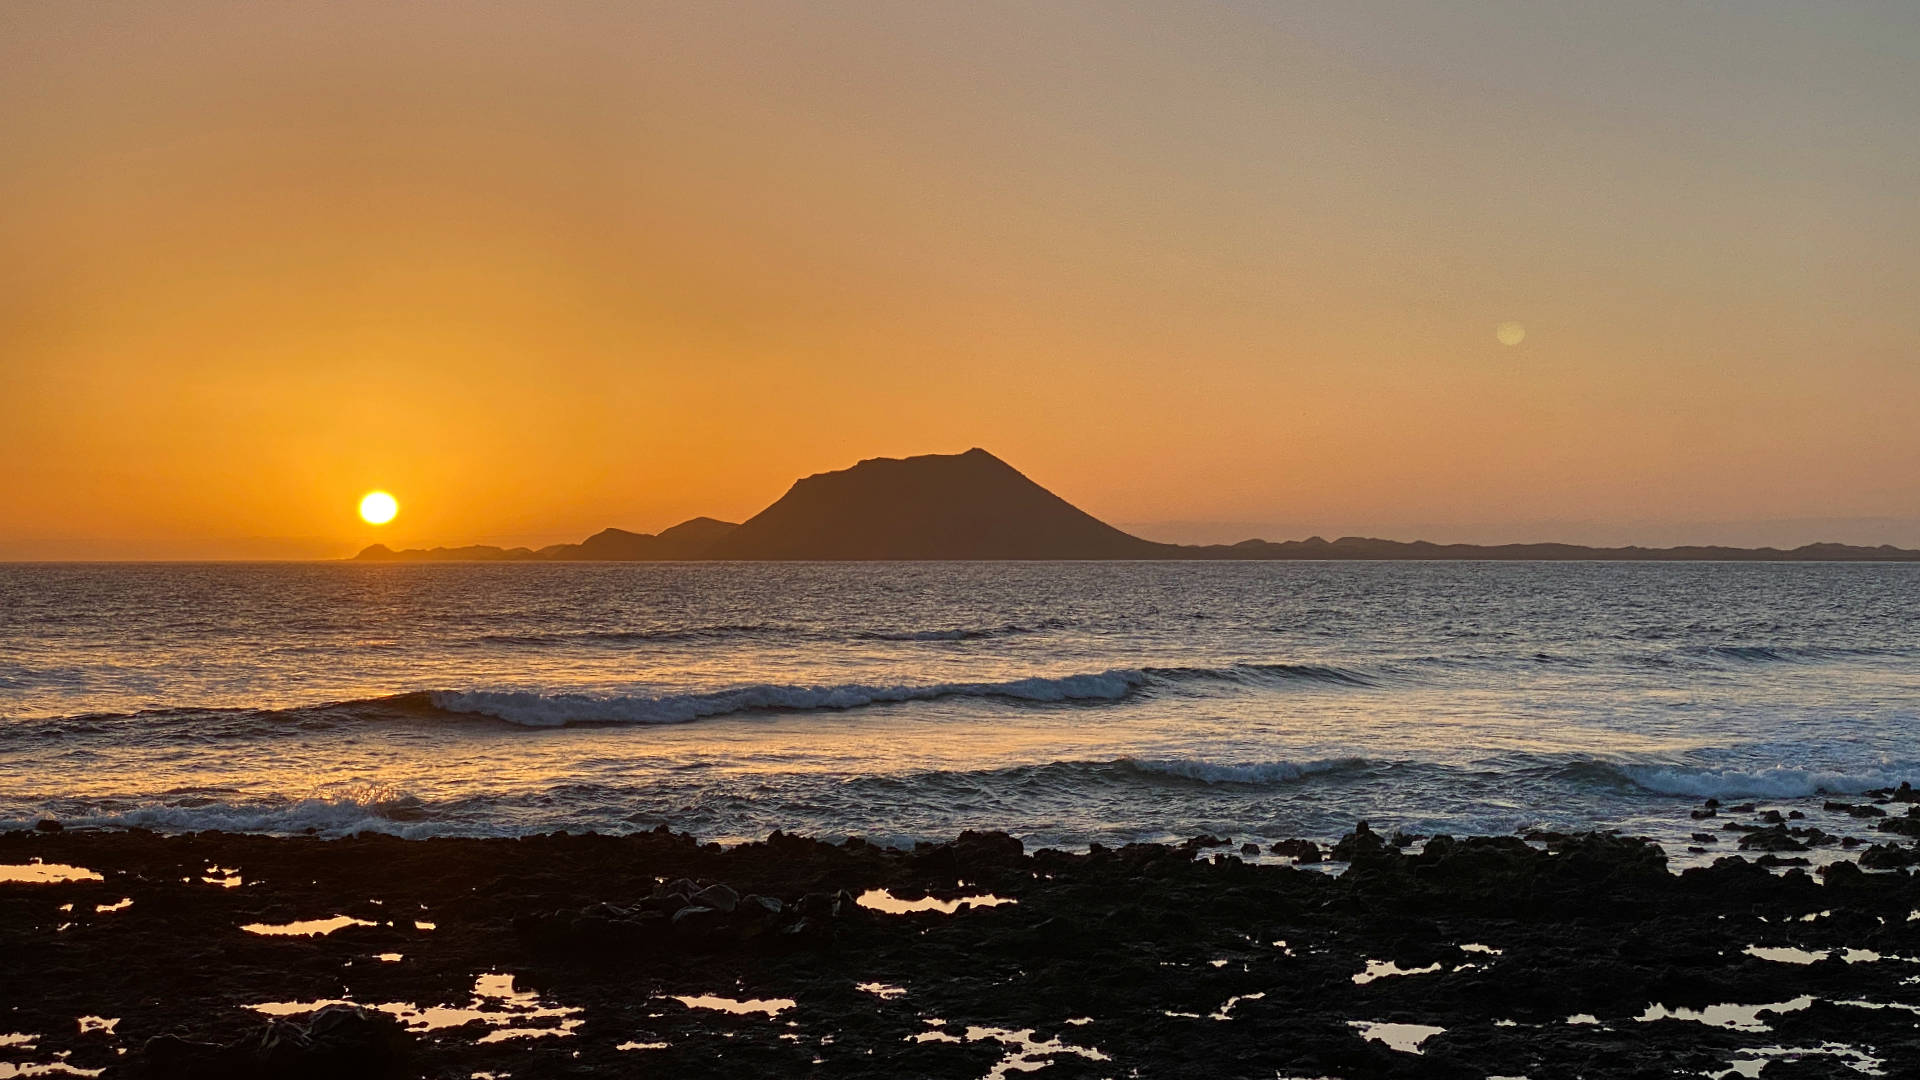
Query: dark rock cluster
[(1545, 955)]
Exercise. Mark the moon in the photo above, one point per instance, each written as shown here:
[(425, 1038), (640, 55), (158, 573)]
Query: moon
[(1510, 333), (378, 508)]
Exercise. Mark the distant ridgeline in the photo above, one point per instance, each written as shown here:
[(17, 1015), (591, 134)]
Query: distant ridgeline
[(975, 506)]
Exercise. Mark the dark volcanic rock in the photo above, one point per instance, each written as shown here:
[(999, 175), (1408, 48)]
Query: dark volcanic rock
[(1142, 959)]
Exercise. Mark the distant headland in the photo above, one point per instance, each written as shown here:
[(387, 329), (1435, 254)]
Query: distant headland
[(975, 506)]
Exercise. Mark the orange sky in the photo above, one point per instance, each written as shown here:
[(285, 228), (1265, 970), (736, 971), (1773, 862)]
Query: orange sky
[(541, 268)]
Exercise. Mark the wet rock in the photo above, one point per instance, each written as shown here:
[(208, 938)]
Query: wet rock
[(1889, 857), (1705, 838), (1905, 793), (1841, 873), (1774, 839), (694, 916), (1773, 817), (1702, 815), (1249, 849), (1904, 826), (665, 904), (338, 1040), (1866, 810), (48, 825), (1305, 851), (1359, 845), (717, 897)]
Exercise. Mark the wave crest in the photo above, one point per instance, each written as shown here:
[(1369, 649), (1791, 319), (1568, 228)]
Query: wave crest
[(1778, 782), (531, 709), (1259, 772)]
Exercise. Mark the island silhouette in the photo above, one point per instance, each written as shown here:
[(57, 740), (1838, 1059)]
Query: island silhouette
[(974, 506)]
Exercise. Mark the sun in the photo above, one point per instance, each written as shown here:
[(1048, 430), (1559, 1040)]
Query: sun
[(378, 508), (1510, 333)]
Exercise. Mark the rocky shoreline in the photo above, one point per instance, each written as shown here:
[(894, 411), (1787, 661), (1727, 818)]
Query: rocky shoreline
[(127, 953)]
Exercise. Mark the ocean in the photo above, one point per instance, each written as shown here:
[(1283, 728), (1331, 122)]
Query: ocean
[(1067, 703)]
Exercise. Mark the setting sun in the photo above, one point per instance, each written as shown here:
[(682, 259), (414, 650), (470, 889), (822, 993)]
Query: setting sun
[(378, 508)]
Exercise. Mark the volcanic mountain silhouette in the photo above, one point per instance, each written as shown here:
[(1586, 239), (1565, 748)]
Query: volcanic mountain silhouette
[(975, 506), (936, 506)]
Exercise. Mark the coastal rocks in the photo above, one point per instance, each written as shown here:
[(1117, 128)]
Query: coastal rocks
[(1361, 845), (1889, 857), (598, 956), (338, 1040), (1304, 851), (1903, 826), (686, 915), (1774, 839)]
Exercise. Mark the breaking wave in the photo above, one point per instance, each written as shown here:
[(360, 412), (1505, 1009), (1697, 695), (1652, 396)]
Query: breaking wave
[(1777, 782)]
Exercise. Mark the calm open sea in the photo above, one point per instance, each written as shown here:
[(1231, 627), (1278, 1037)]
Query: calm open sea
[(1065, 702)]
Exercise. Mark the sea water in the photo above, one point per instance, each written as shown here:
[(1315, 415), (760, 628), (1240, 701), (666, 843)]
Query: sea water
[(1068, 703)]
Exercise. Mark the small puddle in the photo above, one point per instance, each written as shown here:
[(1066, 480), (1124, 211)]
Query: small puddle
[(882, 900), (881, 990), (226, 877), (1785, 954), (123, 904), (59, 1067), (307, 927), (643, 1046), (496, 1003), (10, 1069), (1754, 1059), (767, 1006), (1382, 969), (1405, 1038), (1225, 1011), (35, 872), (1729, 1016), (1023, 1053), (389, 957), (103, 1024)]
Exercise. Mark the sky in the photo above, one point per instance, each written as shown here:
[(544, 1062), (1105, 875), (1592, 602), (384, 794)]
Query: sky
[(541, 268)]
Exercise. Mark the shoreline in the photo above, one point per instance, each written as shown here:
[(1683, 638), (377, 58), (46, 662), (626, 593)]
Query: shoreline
[(586, 955)]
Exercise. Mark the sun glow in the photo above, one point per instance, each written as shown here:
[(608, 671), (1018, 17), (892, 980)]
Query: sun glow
[(378, 508)]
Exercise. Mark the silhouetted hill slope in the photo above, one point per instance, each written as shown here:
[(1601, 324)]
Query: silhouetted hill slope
[(687, 540), (470, 553), (936, 506), (1365, 548), (975, 506)]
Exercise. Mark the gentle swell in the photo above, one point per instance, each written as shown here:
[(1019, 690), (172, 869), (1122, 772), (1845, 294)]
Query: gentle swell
[(961, 633), (530, 709), (548, 709), (638, 637), (1259, 673), (1259, 772)]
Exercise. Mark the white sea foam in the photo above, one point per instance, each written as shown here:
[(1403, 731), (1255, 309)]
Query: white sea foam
[(532, 709), (324, 816), (1259, 772), (1778, 782)]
